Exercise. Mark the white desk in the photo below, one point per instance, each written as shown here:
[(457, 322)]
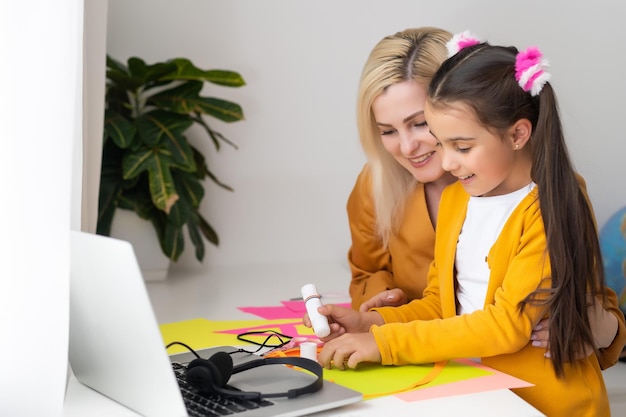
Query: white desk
[(215, 296), (82, 401)]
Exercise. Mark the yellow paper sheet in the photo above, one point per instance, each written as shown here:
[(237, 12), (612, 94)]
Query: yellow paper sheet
[(374, 380)]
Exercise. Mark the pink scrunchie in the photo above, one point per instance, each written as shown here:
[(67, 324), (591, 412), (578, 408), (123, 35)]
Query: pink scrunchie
[(530, 70), (460, 41)]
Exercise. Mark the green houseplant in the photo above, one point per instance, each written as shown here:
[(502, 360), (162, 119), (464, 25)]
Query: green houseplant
[(148, 164)]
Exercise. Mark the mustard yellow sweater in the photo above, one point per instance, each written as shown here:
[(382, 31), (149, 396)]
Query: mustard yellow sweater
[(428, 330), (404, 264)]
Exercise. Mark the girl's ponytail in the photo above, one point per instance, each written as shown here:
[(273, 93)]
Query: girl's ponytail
[(572, 239)]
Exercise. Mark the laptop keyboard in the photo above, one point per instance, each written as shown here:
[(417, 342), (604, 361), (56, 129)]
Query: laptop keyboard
[(212, 405)]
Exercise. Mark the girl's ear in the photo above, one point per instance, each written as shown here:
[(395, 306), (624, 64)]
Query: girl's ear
[(520, 133)]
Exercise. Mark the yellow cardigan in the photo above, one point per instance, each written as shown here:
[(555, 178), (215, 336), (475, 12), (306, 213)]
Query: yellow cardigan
[(498, 334), (404, 264)]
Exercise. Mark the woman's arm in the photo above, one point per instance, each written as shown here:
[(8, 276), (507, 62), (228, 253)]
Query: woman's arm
[(609, 329), (370, 263)]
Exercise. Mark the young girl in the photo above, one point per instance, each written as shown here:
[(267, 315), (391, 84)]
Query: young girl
[(515, 242), (393, 206)]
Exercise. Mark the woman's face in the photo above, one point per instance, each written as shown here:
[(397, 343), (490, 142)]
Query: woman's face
[(399, 115)]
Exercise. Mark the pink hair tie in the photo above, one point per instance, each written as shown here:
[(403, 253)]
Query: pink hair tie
[(530, 70), (460, 41)]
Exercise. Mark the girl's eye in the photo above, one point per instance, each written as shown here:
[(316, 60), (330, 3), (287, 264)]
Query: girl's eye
[(422, 124), (386, 132), (463, 150)]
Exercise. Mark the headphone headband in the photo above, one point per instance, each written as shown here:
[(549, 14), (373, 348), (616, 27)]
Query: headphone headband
[(212, 375), (304, 363)]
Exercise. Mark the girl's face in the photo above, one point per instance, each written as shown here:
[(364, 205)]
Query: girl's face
[(399, 114), (485, 163)]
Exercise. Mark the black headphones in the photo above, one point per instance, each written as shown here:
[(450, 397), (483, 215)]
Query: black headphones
[(212, 375)]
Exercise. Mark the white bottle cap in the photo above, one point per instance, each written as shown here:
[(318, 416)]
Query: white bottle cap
[(308, 350)]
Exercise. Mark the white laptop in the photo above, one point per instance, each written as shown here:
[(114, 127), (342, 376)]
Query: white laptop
[(116, 347)]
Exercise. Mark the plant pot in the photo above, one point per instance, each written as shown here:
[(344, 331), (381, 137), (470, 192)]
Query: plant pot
[(140, 233)]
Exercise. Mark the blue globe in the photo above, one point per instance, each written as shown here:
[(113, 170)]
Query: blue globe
[(613, 247)]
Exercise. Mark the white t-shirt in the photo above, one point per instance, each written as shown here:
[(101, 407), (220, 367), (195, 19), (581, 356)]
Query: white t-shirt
[(484, 221)]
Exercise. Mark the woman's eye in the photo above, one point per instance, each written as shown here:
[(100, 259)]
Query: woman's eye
[(386, 132), (422, 124), (463, 150)]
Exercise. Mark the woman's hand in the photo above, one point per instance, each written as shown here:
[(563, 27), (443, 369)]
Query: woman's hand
[(541, 336), (394, 297), (603, 328), (349, 350)]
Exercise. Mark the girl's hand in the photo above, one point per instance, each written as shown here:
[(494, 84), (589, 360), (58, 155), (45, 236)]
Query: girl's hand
[(345, 320), (394, 297), (349, 350)]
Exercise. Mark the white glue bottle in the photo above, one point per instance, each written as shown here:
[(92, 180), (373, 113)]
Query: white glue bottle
[(312, 301)]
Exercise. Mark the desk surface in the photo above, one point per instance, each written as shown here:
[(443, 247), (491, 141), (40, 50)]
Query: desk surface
[(215, 295), (82, 401)]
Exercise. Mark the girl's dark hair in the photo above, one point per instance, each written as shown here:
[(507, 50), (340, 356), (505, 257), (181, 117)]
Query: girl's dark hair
[(483, 78)]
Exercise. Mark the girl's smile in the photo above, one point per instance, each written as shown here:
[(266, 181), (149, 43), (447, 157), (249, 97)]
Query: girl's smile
[(485, 162)]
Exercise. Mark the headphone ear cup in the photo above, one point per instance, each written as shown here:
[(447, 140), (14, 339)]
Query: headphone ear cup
[(224, 364), (202, 375), (210, 375)]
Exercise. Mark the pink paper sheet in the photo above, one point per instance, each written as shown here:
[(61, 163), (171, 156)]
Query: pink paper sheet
[(288, 310), (496, 380)]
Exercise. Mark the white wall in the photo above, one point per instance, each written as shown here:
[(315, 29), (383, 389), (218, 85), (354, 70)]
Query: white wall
[(298, 149)]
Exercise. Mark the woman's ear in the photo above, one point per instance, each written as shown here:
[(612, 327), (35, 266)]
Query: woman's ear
[(520, 133)]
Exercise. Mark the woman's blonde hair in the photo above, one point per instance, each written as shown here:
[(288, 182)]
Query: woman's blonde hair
[(413, 54)]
